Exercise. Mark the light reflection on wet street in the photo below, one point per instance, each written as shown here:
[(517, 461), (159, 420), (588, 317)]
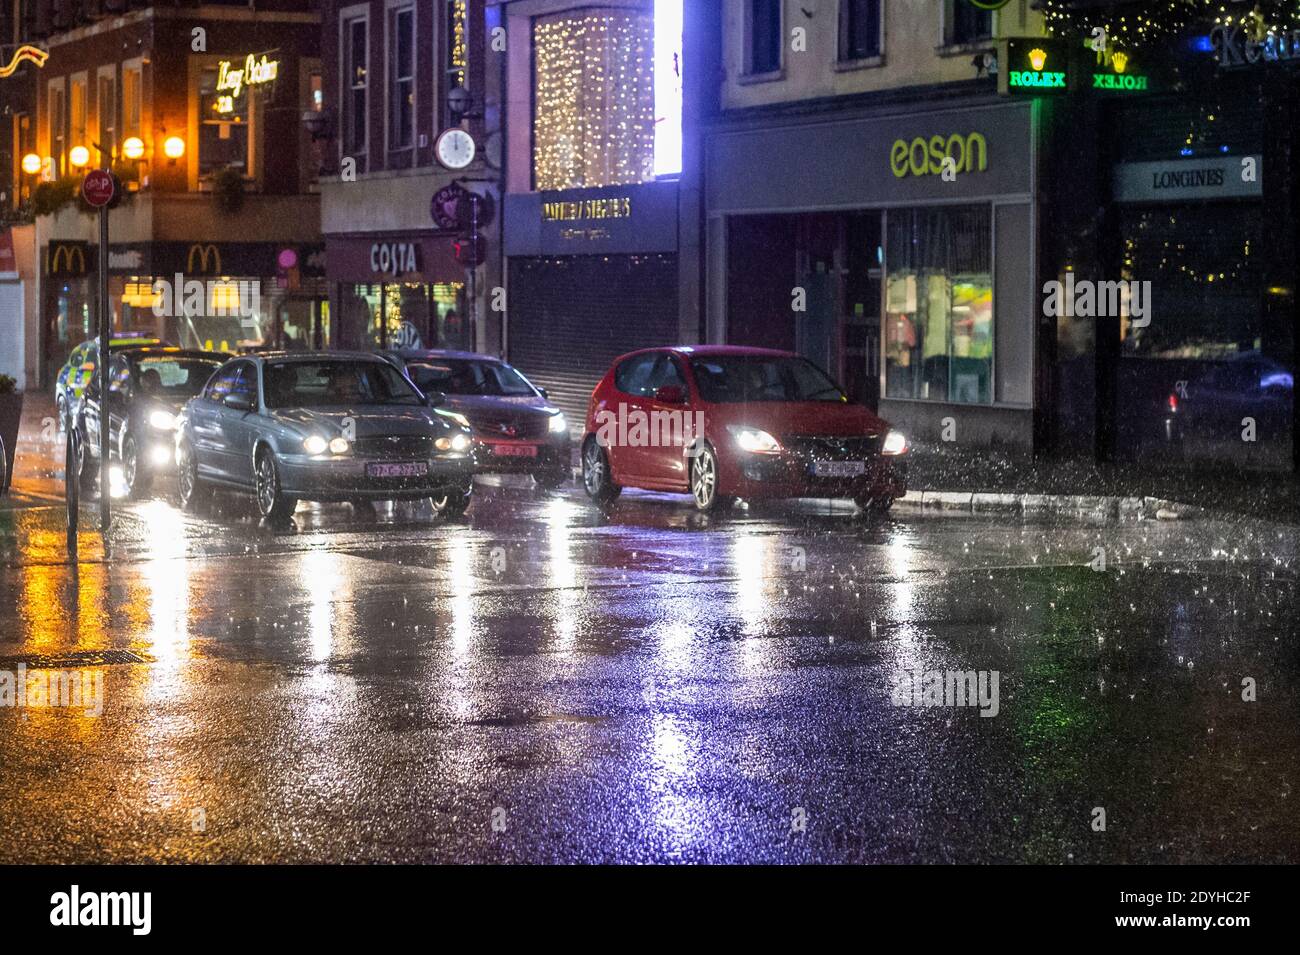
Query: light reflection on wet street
[(546, 682)]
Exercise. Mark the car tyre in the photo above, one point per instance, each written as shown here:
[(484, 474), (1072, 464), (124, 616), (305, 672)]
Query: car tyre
[(137, 480), (272, 503), (874, 506), (194, 493), (61, 410), (704, 482), (454, 503), (597, 476), (87, 467)]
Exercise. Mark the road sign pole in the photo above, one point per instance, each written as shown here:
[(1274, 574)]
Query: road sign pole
[(105, 331)]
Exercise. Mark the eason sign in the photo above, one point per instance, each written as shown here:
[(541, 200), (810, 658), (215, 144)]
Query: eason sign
[(922, 156), (1219, 177)]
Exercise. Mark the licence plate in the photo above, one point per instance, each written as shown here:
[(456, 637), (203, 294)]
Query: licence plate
[(515, 450), (839, 469), (398, 469)]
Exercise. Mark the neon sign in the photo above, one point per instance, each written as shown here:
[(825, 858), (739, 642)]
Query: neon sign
[(922, 156), (231, 83), (26, 52)]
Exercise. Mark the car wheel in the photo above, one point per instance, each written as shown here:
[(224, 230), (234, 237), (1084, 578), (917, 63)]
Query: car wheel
[(61, 410), (272, 503), (87, 467), (597, 477), (194, 493), (137, 479), (550, 480), (704, 482), (454, 502), (874, 506)]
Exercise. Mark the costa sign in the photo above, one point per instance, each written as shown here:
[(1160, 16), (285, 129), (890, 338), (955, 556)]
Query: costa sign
[(394, 258)]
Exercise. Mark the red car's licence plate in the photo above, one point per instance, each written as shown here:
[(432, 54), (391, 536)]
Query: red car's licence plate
[(515, 450), (397, 469)]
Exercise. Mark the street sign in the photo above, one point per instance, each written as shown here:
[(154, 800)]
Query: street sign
[(97, 187)]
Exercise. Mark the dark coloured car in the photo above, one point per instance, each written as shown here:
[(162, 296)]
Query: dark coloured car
[(1207, 416), (722, 422), (320, 426), (72, 378), (516, 429), (147, 388)]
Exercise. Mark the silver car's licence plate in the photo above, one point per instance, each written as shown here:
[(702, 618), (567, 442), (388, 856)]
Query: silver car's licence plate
[(397, 469), (839, 468)]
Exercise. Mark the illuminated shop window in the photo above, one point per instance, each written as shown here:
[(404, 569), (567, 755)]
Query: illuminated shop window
[(594, 99), (223, 126), (939, 304)]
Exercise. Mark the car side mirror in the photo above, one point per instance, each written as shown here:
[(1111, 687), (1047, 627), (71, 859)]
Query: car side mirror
[(237, 402), (671, 395), (435, 398), (543, 392)]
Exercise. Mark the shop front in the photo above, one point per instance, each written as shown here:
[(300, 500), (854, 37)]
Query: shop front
[(399, 291), (896, 250), (225, 296), (592, 274)]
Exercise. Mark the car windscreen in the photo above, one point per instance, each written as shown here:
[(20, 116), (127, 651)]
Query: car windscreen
[(316, 384), (460, 376), (165, 377), (742, 378)]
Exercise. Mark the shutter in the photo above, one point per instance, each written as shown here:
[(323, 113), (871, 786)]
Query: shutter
[(571, 317)]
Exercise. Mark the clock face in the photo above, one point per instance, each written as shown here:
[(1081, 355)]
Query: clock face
[(455, 149)]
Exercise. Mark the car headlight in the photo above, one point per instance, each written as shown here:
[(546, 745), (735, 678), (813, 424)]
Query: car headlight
[(557, 424), (315, 444), (754, 440), (162, 420), (895, 443), (455, 416), (339, 446), (460, 442)]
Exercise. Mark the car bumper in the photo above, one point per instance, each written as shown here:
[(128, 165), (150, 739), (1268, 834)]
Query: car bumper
[(551, 456), (345, 478), (757, 476), (157, 454)]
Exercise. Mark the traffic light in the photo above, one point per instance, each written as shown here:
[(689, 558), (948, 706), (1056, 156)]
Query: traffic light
[(470, 250)]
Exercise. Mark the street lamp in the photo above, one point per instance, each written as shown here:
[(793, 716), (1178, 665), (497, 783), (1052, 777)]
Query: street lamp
[(78, 156), (133, 147), (31, 164), (174, 147)]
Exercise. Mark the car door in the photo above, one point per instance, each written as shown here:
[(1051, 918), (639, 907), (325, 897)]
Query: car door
[(664, 456), (89, 415), (629, 430), (239, 426), (207, 439), (118, 404)]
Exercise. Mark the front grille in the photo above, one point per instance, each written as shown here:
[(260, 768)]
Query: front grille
[(532, 427), (394, 446), (833, 448)]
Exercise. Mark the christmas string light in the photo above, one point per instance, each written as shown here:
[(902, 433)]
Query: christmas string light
[(1134, 25), (593, 122)]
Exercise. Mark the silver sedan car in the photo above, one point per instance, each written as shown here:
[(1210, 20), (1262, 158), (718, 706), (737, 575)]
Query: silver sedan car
[(325, 426)]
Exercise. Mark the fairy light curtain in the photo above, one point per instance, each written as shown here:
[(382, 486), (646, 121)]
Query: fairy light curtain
[(593, 113)]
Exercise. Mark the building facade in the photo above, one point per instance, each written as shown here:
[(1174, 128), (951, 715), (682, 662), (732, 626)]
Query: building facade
[(411, 135), (872, 202), (198, 112)]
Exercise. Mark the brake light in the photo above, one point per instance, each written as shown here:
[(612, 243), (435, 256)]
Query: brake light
[(1173, 403)]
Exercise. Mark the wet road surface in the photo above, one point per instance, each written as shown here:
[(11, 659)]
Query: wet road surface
[(546, 682)]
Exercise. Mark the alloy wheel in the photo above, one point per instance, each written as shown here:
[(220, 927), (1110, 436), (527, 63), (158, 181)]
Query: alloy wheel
[(704, 479)]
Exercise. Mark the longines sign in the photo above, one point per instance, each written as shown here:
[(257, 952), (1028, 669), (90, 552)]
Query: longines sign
[(1219, 177)]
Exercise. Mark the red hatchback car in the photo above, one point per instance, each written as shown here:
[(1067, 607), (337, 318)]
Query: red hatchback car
[(722, 422)]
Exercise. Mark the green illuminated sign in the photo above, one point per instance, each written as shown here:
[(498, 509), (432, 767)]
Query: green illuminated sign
[(1037, 66), (1126, 82)]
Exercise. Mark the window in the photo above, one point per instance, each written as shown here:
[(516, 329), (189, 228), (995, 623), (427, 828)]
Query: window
[(743, 379), (593, 99), (966, 23), (131, 92), (633, 376), (223, 382), (223, 126), (57, 117), (106, 112), (333, 383), (354, 86), (939, 304), (401, 78), (456, 54), (764, 41), (77, 104), (859, 29)]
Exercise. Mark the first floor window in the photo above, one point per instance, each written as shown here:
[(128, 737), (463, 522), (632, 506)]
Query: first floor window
[(939, 304), (106, 113), (966, 23), (354, 86), (859, 29), (401, 85), (764, 53), (223, 127)]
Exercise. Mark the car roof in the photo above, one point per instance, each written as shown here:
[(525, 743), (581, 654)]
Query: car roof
[(306, 356), (718, 351), (408, 353), (171, 351)]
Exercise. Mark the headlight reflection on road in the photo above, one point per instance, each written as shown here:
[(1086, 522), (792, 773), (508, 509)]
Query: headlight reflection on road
[(753, 558), (322, 577), (562, 571)]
